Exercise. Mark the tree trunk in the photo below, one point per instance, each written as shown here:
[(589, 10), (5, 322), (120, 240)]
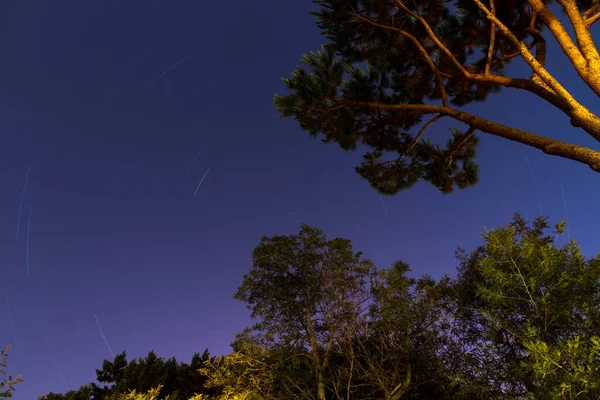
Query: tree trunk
[(315, 355), (320, 386)]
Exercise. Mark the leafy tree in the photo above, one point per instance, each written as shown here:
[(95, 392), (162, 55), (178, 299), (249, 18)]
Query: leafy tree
[(174, 379), (144, 374), (390, 63), (305, 289), (403, 349), (520, 321), (83, 393), (529, 313), (260, 368), (7, 385), (248, 373), (152, 394), (190, 380)]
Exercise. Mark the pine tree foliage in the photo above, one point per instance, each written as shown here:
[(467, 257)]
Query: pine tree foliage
[(179, 381), (392, 68)]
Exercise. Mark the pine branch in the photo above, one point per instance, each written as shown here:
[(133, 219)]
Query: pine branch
[(580, 115), (591, 20), (562, 37), (488, 64), (426, 57), (547, 145), (585, 42)]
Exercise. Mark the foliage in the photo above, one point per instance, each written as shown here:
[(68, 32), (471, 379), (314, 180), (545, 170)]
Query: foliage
[(260, 368), (521, 320), (7, 385), (241, 376), (388, 64), (85, 392), (408, 336), (529, 314), (305, 290), (177, 380), (152, 394)]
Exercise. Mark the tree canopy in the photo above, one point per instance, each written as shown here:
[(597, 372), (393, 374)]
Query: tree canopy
[(148, 375), (388, 64), (529, 311), (305, 289), (521, 320)]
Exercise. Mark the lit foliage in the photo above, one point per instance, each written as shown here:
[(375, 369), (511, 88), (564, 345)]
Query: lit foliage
[(388, 64), (240, 376), (152, 394), (530, 313)]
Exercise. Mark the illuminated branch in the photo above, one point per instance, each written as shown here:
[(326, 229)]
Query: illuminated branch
[(580, 115), (527, 56), (547, 145), (584, 38), (590, 11), (542, 92), (591, 15), (542, 82), (540, 56), (490, 53), (524, 84), (590, 21), (560, 34)]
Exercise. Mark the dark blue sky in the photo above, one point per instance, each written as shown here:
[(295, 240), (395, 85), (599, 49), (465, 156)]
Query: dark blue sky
[(116, 231)]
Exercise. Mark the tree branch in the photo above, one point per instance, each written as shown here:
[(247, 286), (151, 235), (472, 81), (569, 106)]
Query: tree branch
[(420, 48), (586, 44), (517, 83), (421, 132), (454, 148), (435, 39), (580, 115), (540, 56), (591, 10), (546, 86), (548, 145), (490, 53), (565, 102), (591, 20), (528, 57), (560, 34), (518, 52)]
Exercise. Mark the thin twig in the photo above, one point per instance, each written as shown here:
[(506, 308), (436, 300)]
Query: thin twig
[(421, 132)]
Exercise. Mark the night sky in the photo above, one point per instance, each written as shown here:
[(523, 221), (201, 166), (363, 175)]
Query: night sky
[(109, 102)]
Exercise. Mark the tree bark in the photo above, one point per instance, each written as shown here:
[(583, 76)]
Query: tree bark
[(315, 355)]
